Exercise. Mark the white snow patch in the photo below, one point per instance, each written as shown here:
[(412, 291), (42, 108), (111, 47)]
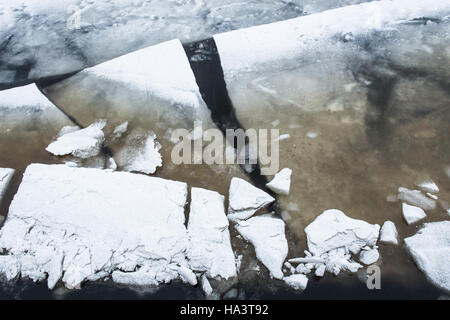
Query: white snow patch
[(412, 214), (245, 199), (209, 238), (388, 233), (296, 281), (79, 224), (281, 183), (84, 143), (25, 96), (266, 234), (430, 249)]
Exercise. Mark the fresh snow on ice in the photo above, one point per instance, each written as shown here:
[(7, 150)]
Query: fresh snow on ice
[(245, 199), (430, 249)]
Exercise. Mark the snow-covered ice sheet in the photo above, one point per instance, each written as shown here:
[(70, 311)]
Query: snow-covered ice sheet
[(245, 199), (281, 182), (5, 178), (430, 249), (48, 38), (388, 233), (209, 238), (83, 143), (267, 236), (79, 224), (412, 214), (333, 229), (246, 49)]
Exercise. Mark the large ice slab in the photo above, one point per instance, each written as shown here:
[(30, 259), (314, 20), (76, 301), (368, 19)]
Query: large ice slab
[(78, 224), (266, 234), (333, 229), (5, 178), (209, 238), (24, 96), (430, 249), (245, 199), (246, 49)]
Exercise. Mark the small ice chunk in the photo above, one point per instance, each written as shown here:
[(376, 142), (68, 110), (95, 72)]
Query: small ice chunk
[(301, 268), (266, 234), (391, 198), (120, 130), (140, 153), (284, 137), (428, 186), (84, 143), (369, 257), (245, 199), (320, 270), (187, 275), (412, 214), (206, 286), (333, 229), (296, 281), (112, 164), (430, 249), (432, 196), (5, 178), (416, 198), (312, 134), (389, 233), (209, 238), (281, 183)]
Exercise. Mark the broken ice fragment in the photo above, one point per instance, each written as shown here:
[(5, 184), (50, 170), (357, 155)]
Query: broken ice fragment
[(281, 183), (209, 238), (432, 196), (428, 186), (388, 233), (80, 224), (9, 267), (245, 199), (412, 214), (5, 178), (416, 198), (369, 257), (296, 281), (333, 229), (266, 234), (320, 270), (430, 249), (120, 130), (140, 153), (206, 286), (84, 143)]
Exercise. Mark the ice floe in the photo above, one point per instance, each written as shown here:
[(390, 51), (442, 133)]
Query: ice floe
[(412, 214), (333, 229), (266, 234), (6, 175), (416, 198), (388, 233), (79, 224), (209, 238), (140, 153), (245, 199), (430, 249), (296, 281), (281, 183), (369, 256), (84, 143)]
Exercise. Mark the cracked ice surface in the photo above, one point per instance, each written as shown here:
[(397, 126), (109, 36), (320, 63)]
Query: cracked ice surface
[(78, 224), (333, 229), (430, 249), (209, 238), (266, 234)]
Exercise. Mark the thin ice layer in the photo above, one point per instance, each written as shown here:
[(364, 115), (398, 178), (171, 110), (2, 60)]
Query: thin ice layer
[(78, 224), (209, 246)]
